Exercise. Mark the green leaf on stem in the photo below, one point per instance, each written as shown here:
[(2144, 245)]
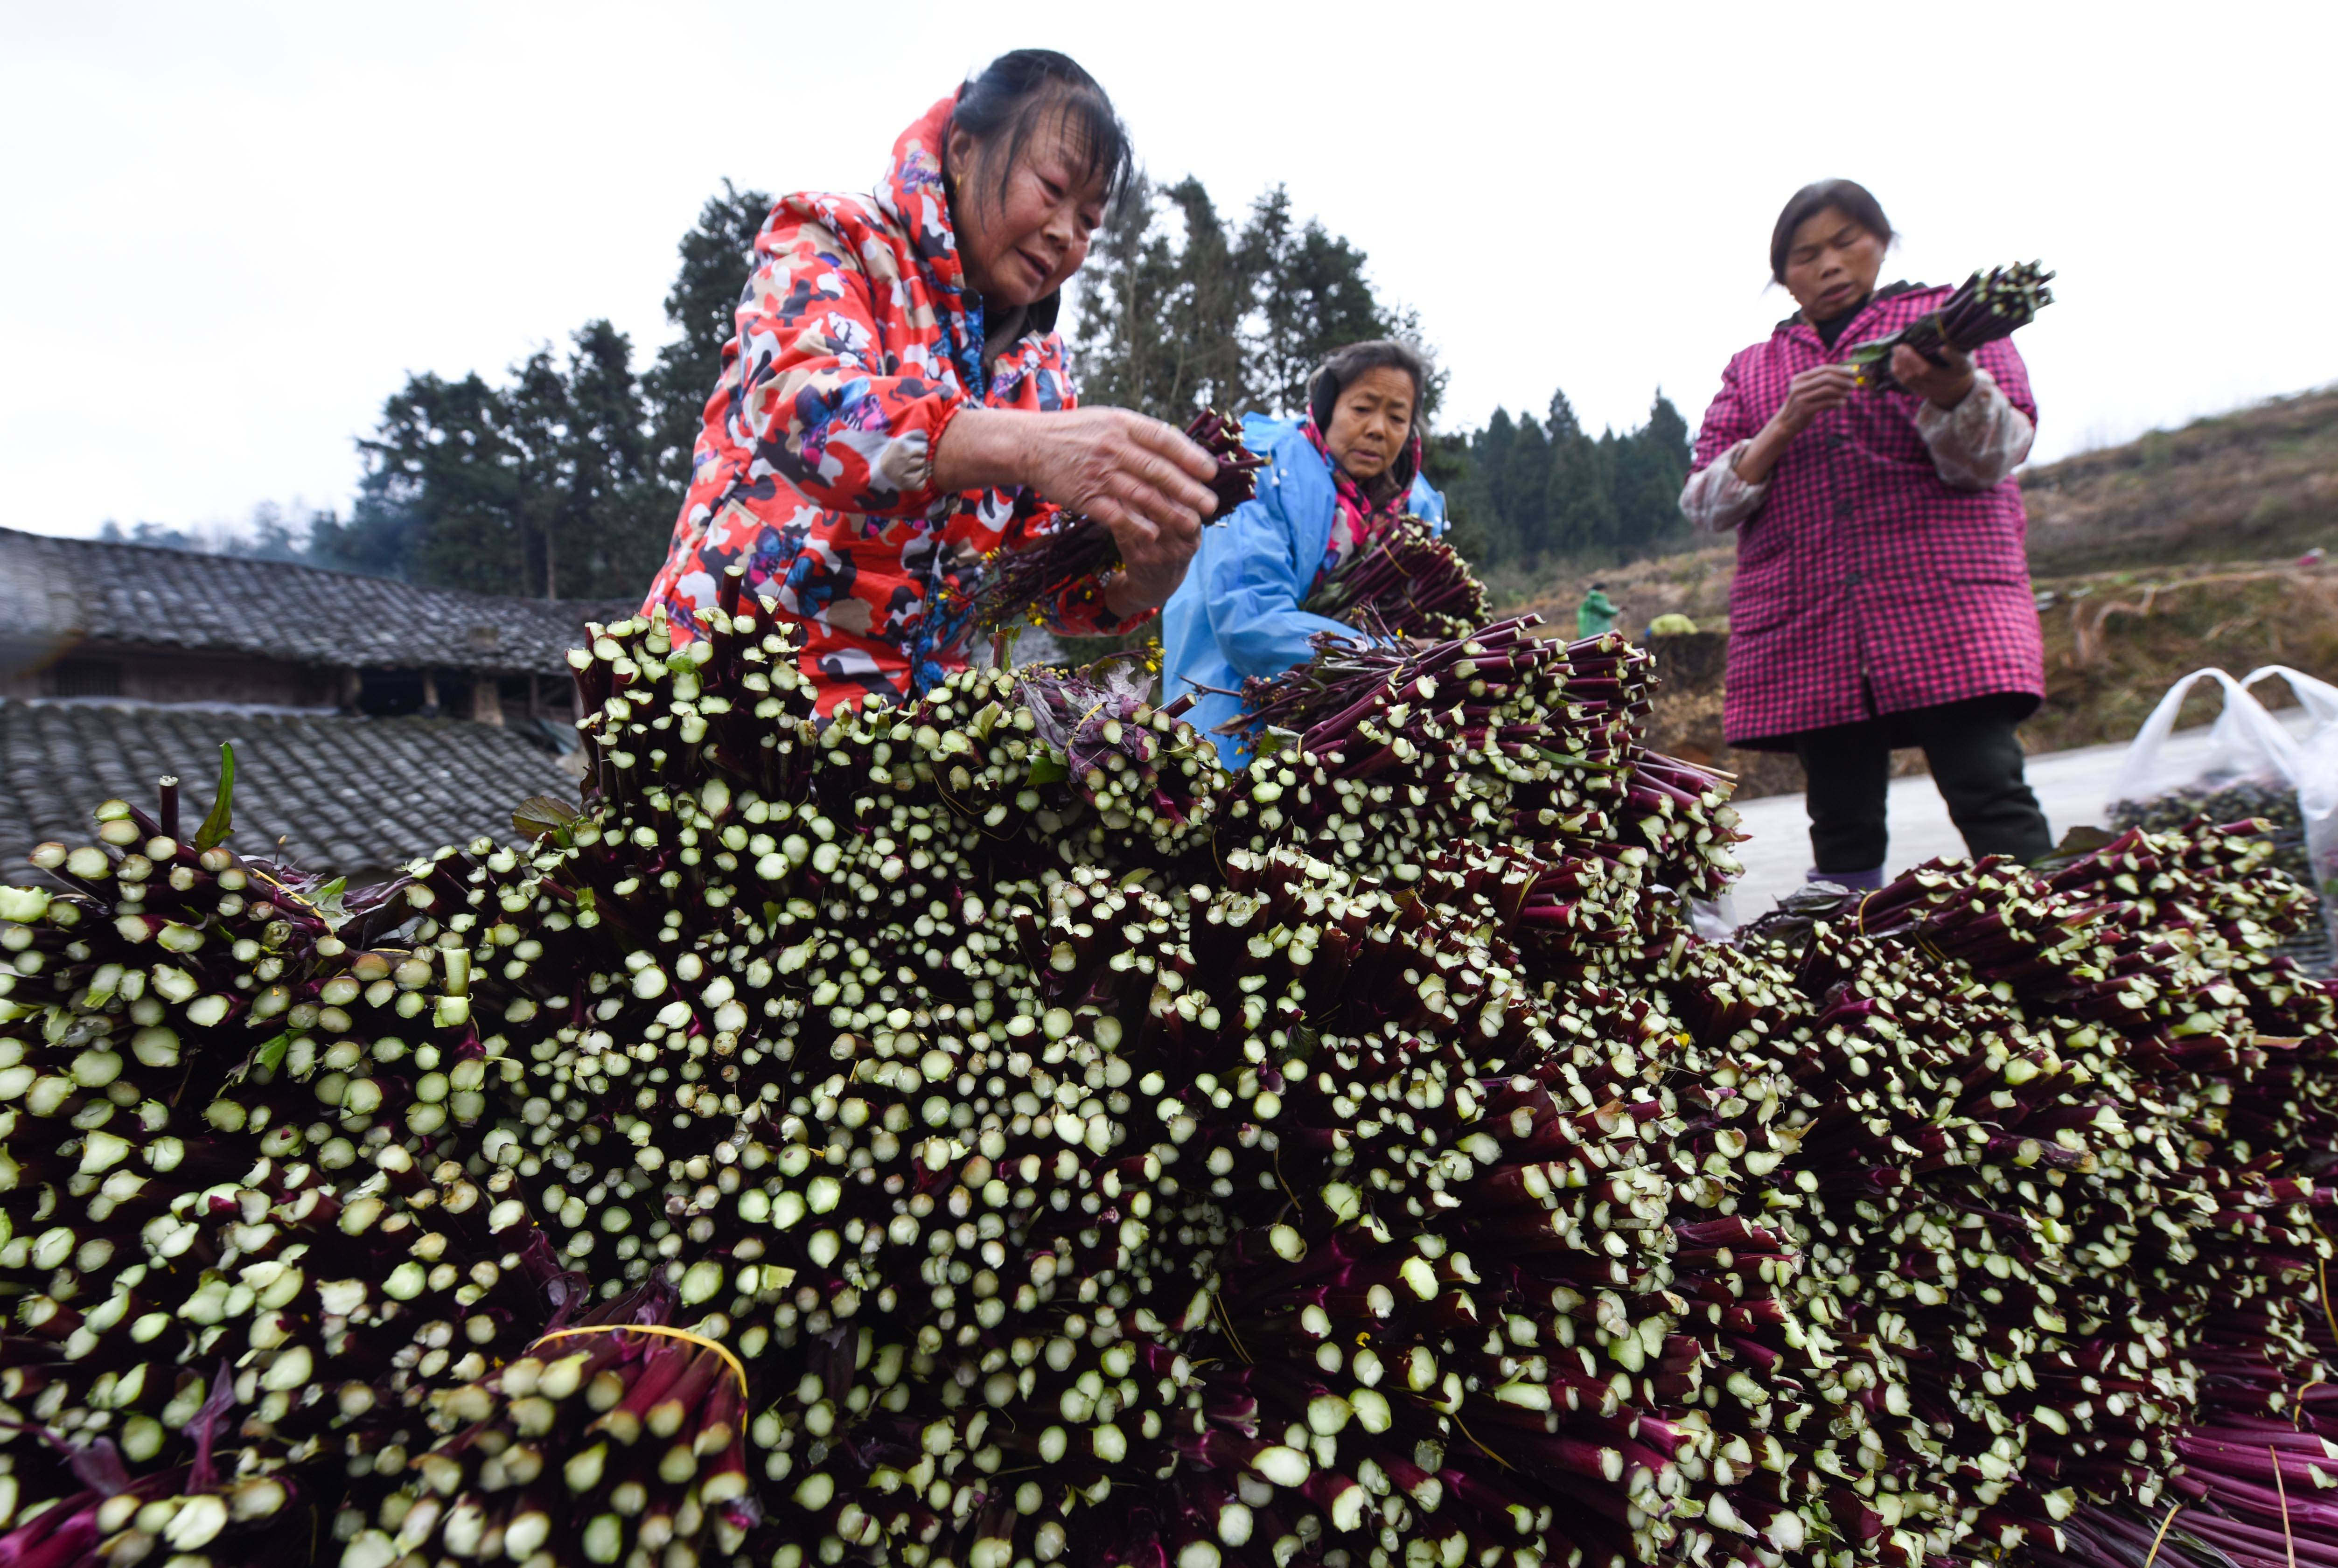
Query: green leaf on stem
[(541, 814), (222, 820), (271, 1052)]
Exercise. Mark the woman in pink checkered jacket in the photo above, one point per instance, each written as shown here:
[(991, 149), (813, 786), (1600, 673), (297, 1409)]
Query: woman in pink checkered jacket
[(1882, 595)]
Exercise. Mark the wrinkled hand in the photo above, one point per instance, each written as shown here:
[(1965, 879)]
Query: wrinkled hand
[(1812, 393), (1945, 383), (1139, 477)]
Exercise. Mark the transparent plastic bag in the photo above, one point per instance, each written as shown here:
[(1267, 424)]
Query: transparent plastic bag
[(2248, 765), (2163, 773), (1714, 919), (2318, 697), (2317, 801), (2315, 777)]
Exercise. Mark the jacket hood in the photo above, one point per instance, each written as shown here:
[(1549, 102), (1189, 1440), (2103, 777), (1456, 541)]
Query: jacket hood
[(914, 195)]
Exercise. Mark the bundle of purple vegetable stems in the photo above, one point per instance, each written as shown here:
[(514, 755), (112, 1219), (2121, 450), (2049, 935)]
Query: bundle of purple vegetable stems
[(1407, 581), (986, 1132), (1018, 581), (1985, 308)]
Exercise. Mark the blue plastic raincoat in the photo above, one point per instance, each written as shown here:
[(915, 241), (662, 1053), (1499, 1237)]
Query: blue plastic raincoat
[(1237, 613)]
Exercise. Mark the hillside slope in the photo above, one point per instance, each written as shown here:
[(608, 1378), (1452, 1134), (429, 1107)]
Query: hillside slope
[(2259, 482)]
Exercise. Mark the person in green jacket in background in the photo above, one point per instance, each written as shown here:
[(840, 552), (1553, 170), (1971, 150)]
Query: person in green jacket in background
[(1596, 613)]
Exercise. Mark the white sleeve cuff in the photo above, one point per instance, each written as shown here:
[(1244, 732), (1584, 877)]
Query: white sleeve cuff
[(1978, 442), (1716, 500)]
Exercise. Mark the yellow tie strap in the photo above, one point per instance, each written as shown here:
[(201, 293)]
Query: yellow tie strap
[(2155, 1540), (661, 1330)]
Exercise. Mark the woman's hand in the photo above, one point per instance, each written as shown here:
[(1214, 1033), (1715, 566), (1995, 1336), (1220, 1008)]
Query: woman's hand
[(1139, 477), (1808, 396), (1945, 383), (1812, 393)]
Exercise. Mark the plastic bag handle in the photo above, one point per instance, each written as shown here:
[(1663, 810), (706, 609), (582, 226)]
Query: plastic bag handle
[(2134, 782), (2318, 697)]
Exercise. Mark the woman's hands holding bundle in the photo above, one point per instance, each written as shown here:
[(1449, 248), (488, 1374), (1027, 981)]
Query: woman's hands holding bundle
[(1143, 479), (1945, 381), (1139, 477)]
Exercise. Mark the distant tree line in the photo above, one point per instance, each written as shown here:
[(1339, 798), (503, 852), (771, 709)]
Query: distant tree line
[(564, 481), (1531, 491), (1179, 310), (564, 478)]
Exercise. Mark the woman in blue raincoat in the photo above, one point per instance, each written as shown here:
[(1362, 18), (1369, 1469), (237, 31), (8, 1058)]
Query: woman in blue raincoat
[(1333, 483)]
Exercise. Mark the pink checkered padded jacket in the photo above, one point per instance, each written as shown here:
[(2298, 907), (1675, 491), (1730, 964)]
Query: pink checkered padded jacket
[(1862, 570)]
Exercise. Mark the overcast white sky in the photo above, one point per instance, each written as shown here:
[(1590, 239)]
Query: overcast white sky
[(232, 229)]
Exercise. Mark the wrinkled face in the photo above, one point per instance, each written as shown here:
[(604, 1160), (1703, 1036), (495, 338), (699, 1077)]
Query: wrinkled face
[(1019, 245), (1372, 422), (1833, 264)]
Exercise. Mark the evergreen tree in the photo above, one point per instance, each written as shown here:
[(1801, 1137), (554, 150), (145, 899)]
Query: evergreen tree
[(1488, 453), (717, 258), (617, 511), (1445, 463), (565, 482), (272, 536), (1582, 513), (153, 536), (1651, 465), (540, 488), (1312, 297), (1238, 323), (1667, 433), (1611, 498), (438, 502), (380, 537), (1126, 358), (1207, 306), (537, 423), (1521, 487)]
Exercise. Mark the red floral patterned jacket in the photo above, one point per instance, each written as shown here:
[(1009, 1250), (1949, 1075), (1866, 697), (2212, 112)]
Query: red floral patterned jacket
[(858, 343)]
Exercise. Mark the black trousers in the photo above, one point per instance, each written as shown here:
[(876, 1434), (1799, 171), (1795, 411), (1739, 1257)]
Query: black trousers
[(1976, 761)]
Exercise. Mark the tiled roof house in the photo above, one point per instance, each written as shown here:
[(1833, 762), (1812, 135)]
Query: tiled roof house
[(372, 720)]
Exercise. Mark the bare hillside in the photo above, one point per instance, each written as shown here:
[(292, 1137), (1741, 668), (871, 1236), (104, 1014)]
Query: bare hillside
[(2256, 482)]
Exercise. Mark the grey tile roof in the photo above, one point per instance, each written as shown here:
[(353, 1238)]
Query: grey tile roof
[(56, 592), (354, 796)]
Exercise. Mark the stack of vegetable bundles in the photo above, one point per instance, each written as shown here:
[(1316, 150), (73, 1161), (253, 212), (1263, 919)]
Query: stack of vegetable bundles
[(985, 1133)]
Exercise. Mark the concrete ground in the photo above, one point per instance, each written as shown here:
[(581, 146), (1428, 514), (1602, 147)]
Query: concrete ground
[(2073, 787)]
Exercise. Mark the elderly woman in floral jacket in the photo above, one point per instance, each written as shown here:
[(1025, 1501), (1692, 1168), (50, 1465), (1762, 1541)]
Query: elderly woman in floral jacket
[(894, 408), (1883, 594)]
